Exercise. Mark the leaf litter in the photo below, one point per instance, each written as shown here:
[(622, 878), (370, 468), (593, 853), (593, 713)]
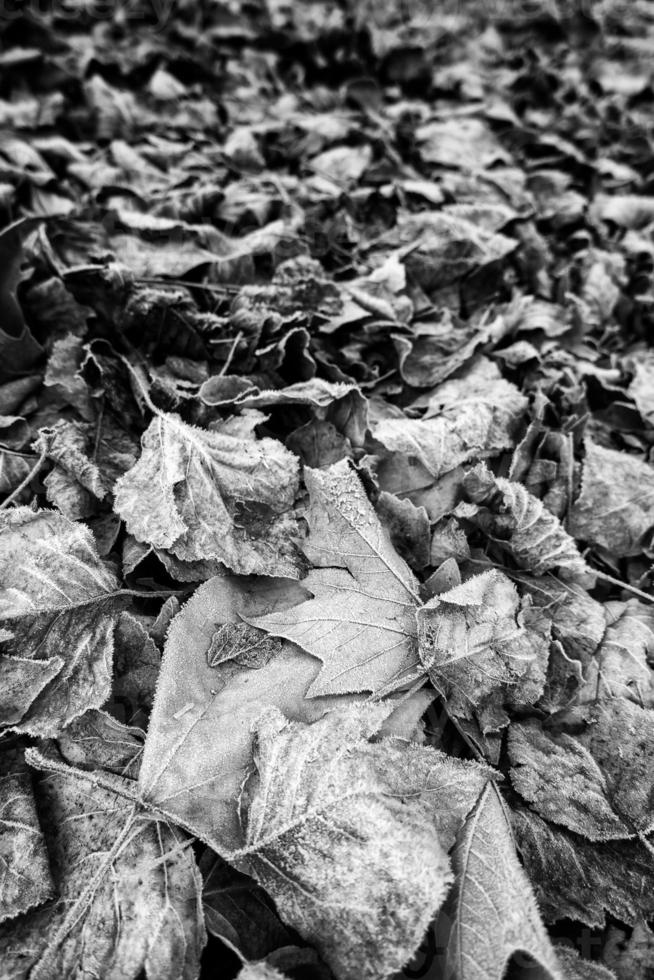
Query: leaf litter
[(327, 491)]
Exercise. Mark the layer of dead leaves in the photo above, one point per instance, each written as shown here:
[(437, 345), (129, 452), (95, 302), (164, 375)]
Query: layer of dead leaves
[(326, 428)]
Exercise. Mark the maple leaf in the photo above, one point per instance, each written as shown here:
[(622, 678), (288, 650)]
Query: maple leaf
[(324, 797), (361, 620), (56, 603), (521, 524), (479, 647), (205, 494), (495, 911), (127, 890), (615, 508)]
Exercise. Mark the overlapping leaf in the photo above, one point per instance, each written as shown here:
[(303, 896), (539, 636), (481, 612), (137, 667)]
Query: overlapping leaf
[(347, 835), (56, 602), (207, 495), (360, 622)]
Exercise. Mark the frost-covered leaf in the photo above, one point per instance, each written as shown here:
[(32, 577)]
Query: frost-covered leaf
[(56, 599), (615, 508), (495, 912), (470, 418), (576, 967), (88, 460), (25, 878), (621, 667), (199, 743), (563, 782), (203, 494), (582, 880), (360, 622), (521, 524), (260, 971), (127, 892), (344, 833), (481, 645), (136, 665), (620, 737)]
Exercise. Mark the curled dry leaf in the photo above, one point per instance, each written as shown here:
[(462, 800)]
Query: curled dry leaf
[(615, 509), (470, 418), (479, 647), (56, 600), (495, 912), (342, 832), (208, 495), (361, 620), (521, 524)]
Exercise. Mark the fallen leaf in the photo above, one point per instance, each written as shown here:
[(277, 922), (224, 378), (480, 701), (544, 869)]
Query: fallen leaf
[(582, 880), (57, 602), (127, 892), (199, 744), (324, 797), (25, 879), (563, 782), (480, 644), (520, 523), (201, 494), (615, 507), (496, 917), (361, 620)]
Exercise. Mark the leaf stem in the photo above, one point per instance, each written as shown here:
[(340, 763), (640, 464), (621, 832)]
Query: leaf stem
[(21, 486), (146, 397)]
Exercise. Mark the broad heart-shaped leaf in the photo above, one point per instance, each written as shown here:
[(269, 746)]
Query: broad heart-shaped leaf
[(347, 835), (495, 913), (25, 879), (127, 891), (361, 620), (615, 508), (478, 643), (56, 600), (520, 522), (199, 744), (202, 494), (578, 879)]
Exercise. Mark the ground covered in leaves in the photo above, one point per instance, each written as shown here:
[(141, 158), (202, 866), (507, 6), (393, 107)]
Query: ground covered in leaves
[(326, 422)]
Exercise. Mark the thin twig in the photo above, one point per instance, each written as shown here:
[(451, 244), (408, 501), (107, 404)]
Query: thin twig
[(623, 585), (230, 357), (21, 486)]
